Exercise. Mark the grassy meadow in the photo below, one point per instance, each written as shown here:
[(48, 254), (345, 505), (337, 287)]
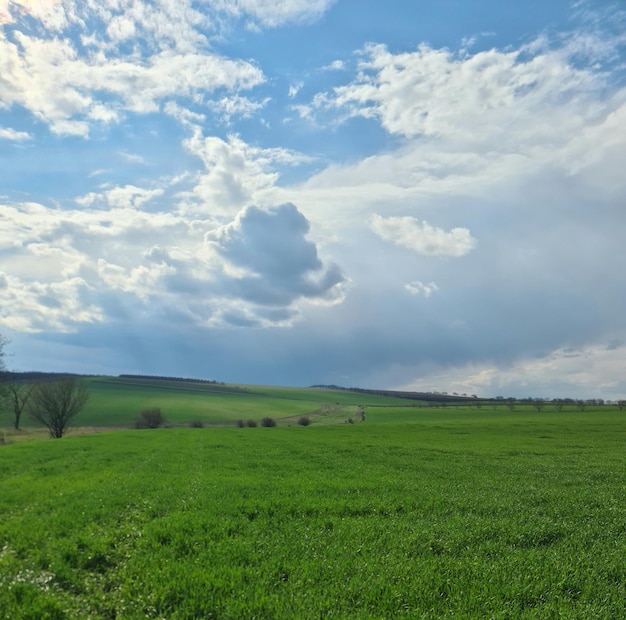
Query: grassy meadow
[(117, 401), (416, 513)]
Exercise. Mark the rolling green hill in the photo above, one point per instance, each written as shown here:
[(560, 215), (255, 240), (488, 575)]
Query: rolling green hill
[(117, 401)]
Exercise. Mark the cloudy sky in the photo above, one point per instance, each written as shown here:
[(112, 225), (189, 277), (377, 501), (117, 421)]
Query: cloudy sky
[(406, 194)]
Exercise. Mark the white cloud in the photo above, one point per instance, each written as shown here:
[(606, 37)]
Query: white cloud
[(589, 372), (421, 237), (495, 126), (50, 11), (68, 91), (335, 65), (522, 99), (419, 288), (61, 268), (13, 135), (272, 13), (274, 262), (237, 173), (120, 197), (32, 306), (132, 158), (294, 89), (235, 106), (183, 115)]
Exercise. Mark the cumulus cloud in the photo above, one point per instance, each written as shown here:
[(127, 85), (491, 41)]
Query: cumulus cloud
[(421, 237), (237, 173), (61, 268), (30, 306), (275, 262)]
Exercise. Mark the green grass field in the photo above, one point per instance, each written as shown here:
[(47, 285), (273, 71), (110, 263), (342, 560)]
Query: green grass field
[(416, 513), (118, 401)]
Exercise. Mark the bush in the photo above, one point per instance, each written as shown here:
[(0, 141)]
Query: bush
[(251, 423), (304, 420), (196, 424), (240, 423), (267, 422), (150, 418)]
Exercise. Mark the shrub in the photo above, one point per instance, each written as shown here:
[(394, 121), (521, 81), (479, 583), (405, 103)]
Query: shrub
[(251, 423), (196, 424), (267, 422), (240, 423), (150, 418), (304, 420)]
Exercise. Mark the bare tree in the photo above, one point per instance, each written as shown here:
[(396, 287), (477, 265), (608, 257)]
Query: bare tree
[(538, 404), (56, 404), (17, 395)]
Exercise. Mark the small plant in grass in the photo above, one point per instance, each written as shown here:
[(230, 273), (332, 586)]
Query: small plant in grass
[(196, 424), (251, 423), (150, 418), (304, 420), (268, 422)]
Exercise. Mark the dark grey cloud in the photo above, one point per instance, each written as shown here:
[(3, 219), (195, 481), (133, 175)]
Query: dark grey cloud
[(279, 264)]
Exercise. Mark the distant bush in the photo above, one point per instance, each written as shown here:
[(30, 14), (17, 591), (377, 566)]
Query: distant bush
[(196, 424), (251, 423), (150, 418), (240, 423), (267, 422), (304, 420)]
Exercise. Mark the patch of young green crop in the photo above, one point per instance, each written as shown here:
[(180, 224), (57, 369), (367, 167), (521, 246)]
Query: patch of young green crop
[(118, 402), (446, 518), (329, 396)]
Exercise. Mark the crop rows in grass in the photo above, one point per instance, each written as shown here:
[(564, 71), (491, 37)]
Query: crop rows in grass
[(425, 520)]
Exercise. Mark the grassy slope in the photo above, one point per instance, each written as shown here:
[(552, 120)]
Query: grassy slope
[(436, 514), (118, 401)]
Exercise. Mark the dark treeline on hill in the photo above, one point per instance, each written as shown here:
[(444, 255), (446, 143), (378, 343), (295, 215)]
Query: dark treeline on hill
[(38, 377), (427, 396), (162, 378)]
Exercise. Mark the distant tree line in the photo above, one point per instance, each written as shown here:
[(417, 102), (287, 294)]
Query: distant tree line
[(37, 377), (163, 378), (426, 396)]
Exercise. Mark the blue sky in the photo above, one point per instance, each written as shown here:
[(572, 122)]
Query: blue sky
[(414, 195)]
